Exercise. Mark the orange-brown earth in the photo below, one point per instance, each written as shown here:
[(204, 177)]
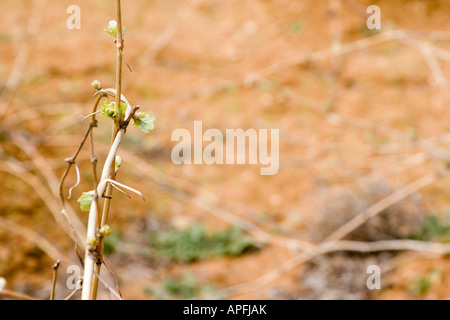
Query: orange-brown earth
[(198, 73)]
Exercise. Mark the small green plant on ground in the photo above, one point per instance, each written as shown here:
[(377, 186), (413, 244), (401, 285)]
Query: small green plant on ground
[(435, 228), (425, 283), (194, 243), (111, 242), (186, 287)]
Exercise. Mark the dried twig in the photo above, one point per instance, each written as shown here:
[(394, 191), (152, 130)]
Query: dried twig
[(383, 204), (430, 58), (54, 279), (108, 287), (165, 37), (41, 190), (350, 246), (22, 57), (15, 295), (93, 257), (46, 246), (72, 294), (333, 243)]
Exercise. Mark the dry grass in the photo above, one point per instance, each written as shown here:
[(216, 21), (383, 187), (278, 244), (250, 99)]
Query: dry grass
[(363, 136)]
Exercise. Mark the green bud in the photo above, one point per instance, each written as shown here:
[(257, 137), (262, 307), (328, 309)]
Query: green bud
[(92, 242), (118, 162), (109, 109), (96, 85), (112, 28), (105, 231)]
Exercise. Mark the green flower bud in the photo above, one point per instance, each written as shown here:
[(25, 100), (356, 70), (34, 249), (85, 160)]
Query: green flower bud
[(92, 242), (112, 28), (109, 109), (96, 85), (105, 231)]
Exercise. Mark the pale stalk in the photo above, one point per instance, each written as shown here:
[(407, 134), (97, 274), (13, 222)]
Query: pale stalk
[(108, 193), (104, 219), (90, 261)]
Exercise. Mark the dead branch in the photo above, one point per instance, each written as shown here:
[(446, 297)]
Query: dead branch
[(54, 279)]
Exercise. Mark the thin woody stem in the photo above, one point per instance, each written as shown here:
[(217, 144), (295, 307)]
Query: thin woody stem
[(15, 295), (108, 192), (90, 258), (55, 276), (71, 160)]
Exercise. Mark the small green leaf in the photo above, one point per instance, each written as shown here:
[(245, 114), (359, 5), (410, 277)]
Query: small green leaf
[(109, 109), (112, 29), (85, 200), (123, 108), (144, 121)]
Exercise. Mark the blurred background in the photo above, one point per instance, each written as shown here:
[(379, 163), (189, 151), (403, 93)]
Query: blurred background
[(363, 118)]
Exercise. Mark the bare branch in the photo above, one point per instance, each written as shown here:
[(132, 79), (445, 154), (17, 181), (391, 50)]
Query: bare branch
[(383, 204), (78, 180), (16, 296), (118, 184), (46, 246), (108, 287), (72, 294), (55, 276)]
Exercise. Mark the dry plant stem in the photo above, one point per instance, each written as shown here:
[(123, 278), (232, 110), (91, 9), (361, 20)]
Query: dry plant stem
[(15, 77), (46, 246), (382, 205), (72, 294), (108, 287), (433, 150), (41, 190), (391, 245), (47, 178), (94, 174), (350, 246), (70, 161), (333, 242), (331, 53), (16, 296), (433, 64), (90, 259), (55, 276), (108, 192), (116, 281), (101, 240)]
